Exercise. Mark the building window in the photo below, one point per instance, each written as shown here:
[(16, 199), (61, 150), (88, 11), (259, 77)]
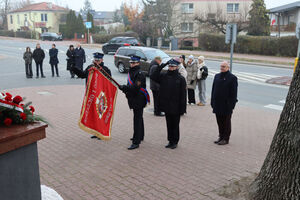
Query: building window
[(42, 17), (233, 8), (25, 17), (187, 8), (18, 19), (46, 17), (11, 19), (187, 27)]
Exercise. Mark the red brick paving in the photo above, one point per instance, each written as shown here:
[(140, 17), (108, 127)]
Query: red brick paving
[(80, 168)]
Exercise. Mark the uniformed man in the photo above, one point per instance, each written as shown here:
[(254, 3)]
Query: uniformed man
[(98, 62), (172, 98), (137, 97)]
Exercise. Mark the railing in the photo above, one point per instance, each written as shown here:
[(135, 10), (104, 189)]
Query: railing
[(284, 28)]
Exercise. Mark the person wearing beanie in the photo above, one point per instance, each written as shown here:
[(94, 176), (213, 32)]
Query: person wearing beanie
[(191, 68), (201, 80)]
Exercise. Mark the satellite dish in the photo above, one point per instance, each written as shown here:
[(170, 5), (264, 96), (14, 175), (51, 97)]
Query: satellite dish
[(298, 31)]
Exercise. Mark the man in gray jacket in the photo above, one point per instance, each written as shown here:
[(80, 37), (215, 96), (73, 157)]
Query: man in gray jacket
[(154, 86)]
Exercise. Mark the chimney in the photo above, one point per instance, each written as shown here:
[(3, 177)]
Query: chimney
[(49, 4)]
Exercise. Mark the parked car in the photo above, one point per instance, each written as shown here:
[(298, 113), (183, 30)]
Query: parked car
[(51, 36), (147, 54), (117, 42)]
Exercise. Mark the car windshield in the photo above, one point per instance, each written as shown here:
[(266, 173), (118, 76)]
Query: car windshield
[(151, 54), (132, 41)]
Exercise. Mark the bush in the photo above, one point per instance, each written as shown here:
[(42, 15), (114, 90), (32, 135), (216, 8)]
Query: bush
[(7, 33), (103, 38), (262, 45), (23, 34)]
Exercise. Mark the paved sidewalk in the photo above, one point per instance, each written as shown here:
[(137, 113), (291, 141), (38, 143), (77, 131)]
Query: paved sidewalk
[(80, 168)]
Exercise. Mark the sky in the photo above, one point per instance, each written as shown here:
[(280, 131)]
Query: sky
[(111, 5)]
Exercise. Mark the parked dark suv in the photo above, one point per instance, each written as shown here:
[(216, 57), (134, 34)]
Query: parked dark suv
[(123, 54), (51, 36), (115, 43)]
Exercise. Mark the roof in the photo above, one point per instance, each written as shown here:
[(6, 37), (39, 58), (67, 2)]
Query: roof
[(44, 6), (100, 14), (286, 7)]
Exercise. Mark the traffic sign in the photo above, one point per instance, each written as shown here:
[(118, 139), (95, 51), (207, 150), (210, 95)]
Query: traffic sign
[(231, 33), (88, 25)]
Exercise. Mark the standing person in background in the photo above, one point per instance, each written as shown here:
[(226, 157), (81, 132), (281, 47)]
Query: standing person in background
[(53, 52), (201, 80), (71, 59), (154, 86), (79, 57), (28, 62), (182, 67), (191, 68), (223, 101), (39, 56)]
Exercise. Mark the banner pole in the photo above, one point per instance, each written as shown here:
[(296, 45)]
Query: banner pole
[(106, 74)]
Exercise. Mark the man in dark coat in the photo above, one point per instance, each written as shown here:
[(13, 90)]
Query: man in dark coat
[(172, 98), (71, 59), (98, 61), (223, 101), (79, 57), (53, 52), (39, 56), (137, 97), (154, 86)]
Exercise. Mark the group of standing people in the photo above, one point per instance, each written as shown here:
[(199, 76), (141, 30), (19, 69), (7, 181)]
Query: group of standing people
[(75, 57)]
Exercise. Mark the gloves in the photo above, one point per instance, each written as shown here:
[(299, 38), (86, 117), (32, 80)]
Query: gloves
[(192, 82), (123, 88)]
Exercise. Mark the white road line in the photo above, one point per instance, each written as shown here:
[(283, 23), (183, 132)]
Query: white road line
[(274, 107)]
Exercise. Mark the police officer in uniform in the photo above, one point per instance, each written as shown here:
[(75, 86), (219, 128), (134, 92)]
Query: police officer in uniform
[(172, 98), (98, 61), (137, 97)]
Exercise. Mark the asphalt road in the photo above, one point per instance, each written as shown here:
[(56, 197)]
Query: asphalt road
[(253, 91)]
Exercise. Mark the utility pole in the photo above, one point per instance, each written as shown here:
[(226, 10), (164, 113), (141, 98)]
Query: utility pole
[(230, 38)]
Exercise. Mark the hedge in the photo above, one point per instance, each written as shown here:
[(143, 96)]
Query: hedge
[(7, 33), (103, 38), (262, 45), (20, 34)]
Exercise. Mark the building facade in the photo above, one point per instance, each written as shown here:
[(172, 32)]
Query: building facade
[(284, 19), (39, 17), (185, 12)]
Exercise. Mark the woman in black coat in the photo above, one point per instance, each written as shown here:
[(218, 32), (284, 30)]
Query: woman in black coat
[(79, 57), (71, 59), (172, 98), (223, 101), (53, 52)]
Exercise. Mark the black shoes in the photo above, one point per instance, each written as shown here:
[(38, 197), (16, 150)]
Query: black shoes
[(43, 76), (133, 146), (171, 146), (159, 114), (223, 142), (95, 137), (217, 141)]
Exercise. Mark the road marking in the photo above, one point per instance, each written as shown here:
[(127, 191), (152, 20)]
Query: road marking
[(274, 107)]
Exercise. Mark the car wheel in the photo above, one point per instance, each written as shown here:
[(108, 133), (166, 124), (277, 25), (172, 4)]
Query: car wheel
[(121, 68), (104, 51), (43, 39)]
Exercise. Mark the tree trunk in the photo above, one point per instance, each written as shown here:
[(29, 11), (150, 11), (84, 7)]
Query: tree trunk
[(279, 178)]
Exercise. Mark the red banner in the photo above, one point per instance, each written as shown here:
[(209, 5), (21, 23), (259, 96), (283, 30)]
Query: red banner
[(98, 106)]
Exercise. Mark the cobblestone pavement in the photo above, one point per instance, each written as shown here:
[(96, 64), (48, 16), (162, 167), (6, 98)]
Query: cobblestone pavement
[(81, 168)]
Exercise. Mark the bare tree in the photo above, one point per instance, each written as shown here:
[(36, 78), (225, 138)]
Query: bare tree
[(5, 7), (217, 20)]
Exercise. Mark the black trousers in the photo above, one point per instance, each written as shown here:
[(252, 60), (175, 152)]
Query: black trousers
[(56, 69), (191, 96), (39, 66), (156, 101), (173, 127), (28, 70), (224, 124), (138, 126)]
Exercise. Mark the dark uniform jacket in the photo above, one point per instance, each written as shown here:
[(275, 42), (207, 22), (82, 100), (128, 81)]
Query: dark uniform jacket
[(85, 73), (70, 59), (79, 57), (136, 99), (53, 56), (153, 85), (172, 92), (224, 93), (38, 55)]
